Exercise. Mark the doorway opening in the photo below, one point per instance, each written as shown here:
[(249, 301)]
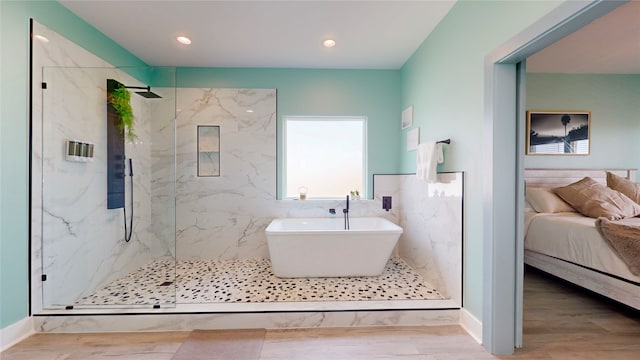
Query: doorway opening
[(502, 313)]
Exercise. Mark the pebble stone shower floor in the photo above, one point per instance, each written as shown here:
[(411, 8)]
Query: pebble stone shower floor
[(206, 281)]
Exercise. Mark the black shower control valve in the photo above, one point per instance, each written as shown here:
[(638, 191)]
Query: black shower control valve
[(332, 211), (386, 203)]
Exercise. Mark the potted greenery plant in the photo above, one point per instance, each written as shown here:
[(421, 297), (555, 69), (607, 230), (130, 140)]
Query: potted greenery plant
[(120, 98)]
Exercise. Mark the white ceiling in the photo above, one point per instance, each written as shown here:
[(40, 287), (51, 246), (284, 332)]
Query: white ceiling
[(608, 45), (369, 34), (283, 34)]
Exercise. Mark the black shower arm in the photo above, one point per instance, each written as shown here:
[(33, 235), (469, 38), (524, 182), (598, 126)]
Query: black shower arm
[(148, 88)]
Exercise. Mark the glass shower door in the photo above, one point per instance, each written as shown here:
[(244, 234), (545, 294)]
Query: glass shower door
[(95, 253)]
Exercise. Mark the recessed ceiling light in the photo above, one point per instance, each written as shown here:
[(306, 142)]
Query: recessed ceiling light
[(329, 43), (249, 111), (184, 40), (41, 38)]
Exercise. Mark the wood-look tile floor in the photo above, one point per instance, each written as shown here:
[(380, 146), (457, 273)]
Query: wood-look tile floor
[(560, 322)]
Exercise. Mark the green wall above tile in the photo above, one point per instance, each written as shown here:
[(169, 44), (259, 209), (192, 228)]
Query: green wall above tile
[(444, 81), (614, 102)]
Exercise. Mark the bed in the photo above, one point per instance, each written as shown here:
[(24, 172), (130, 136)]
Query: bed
[(563, 242)]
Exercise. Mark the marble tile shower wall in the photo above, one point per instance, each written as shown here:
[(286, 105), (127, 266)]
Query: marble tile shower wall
[(163, 174), (224, 217), (431, 216), (76, 241)]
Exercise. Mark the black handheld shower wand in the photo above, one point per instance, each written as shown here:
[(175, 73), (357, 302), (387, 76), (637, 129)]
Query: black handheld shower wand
[(345, 211), (128, 234)]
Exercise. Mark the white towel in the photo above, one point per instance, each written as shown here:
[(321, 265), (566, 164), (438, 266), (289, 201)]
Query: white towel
[(428, 156)]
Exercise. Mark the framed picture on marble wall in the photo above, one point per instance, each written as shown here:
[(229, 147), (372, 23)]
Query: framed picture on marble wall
[(208, 150), (562, 132)]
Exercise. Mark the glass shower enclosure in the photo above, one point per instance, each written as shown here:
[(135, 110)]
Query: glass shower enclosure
[(104, 197)]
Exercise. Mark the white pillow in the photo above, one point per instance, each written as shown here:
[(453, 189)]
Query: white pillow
[(544, 200)]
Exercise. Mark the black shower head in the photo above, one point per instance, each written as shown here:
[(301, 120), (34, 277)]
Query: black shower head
[(148, 94)]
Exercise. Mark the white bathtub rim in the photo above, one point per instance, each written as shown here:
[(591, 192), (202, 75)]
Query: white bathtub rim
[(388, 227)]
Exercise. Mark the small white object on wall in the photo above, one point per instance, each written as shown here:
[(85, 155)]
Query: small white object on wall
[(413, 139), (407, 117), (79, 151)]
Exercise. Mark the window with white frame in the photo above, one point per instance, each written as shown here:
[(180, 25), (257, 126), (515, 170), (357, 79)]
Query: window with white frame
[(325, 156)]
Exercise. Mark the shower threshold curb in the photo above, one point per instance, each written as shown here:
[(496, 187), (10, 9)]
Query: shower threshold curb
[(309, 306), (276, 319)]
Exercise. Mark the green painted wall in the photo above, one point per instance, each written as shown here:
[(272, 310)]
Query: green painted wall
[(14, 187), (614, 102), (372, 93), (444, 81)]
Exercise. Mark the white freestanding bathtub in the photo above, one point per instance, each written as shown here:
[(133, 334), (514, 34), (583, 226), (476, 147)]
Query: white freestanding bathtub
[(320, 247)]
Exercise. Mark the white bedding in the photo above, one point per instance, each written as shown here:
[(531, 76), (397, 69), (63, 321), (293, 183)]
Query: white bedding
[(573, 237)]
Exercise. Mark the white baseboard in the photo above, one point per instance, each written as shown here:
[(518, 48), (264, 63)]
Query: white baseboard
[(471, 324), (15, 333)]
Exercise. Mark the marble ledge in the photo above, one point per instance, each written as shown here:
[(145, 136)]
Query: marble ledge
[(278, 320)]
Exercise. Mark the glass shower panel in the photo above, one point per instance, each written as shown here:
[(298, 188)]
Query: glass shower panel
[(95, 251)]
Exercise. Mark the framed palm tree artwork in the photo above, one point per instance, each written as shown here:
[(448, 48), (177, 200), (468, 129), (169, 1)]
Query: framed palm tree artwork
[(558, 132)]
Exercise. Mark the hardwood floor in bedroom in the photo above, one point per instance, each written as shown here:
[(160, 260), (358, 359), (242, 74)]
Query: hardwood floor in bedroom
[(561, 322)]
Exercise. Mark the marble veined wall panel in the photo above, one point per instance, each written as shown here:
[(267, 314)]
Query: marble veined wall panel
[(220, 217), (54, 51), (432, 218), (76, 241), (163, 174)]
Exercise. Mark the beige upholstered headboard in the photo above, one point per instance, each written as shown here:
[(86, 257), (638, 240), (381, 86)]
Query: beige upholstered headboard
[(560, 177)]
